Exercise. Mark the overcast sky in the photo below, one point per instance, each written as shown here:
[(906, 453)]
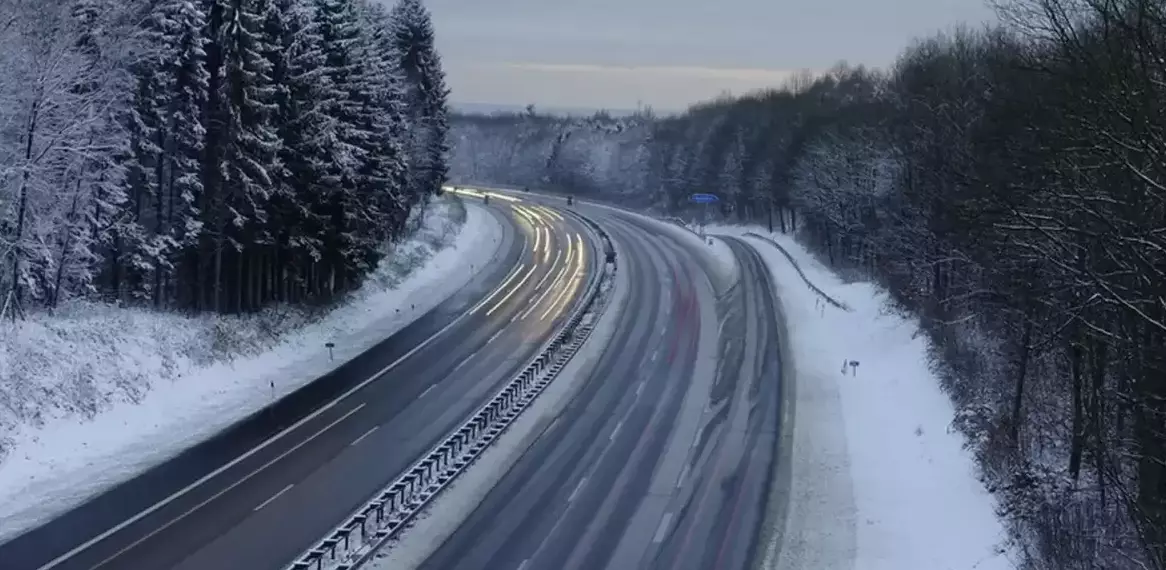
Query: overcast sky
[(666, 53)]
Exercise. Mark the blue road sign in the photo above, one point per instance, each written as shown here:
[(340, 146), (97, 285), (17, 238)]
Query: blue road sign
[(704, 198)]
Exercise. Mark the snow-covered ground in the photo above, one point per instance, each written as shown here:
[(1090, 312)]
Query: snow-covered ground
[(879, 479), (94, 395)]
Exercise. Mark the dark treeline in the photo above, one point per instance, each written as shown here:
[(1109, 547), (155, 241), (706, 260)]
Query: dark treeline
[(211, 154), (1008, 186)]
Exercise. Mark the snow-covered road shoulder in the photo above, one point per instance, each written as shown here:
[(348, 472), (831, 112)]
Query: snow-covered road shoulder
[(878, 480), (94, 395)]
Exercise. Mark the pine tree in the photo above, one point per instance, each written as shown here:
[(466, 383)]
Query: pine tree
[(388, 168), (132, 258), (163, 183), (426, 95), (241, 149), (303, 182), (184, 81), (352, 211)]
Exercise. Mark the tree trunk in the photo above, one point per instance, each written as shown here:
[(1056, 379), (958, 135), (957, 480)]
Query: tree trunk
[(1077, 440), (66, 241), (1098, 356), (1021, 375), (217, 287), (22, 208), (159, 222)]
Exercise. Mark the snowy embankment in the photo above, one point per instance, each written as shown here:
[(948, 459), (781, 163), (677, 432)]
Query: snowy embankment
[(95, 394), (879, 480)]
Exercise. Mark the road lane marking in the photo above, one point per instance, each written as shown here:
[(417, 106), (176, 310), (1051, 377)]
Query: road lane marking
[(640, 388), (615, 431), (524, 215), (503, 197), (550, 427), (551, 271), (578, 487), (662, 529), (494, 336), (523, 565), (538, 238), (567, 293), (550, 212), (242, 480), (655, 353), (543, 210), (530, 213), (464, 362), (533, 212), (427, 390), (554, 284), (273, 497), (683, 476), (265, 443), (547, 247), (366, 434), (500, 288), (513, 290)]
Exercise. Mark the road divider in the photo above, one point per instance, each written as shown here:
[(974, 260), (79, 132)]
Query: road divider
[(354, 542)]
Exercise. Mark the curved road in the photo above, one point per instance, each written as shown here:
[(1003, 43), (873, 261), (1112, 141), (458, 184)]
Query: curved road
[(262, 492), (663, 459)]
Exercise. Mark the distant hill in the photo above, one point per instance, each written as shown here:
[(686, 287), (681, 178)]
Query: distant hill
[(490, 108)]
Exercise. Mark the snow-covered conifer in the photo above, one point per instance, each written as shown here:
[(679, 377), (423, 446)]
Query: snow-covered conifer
[(425, 95)]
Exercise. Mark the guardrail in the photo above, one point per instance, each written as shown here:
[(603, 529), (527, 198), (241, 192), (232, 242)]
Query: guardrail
[(368, 529), (836, 303)]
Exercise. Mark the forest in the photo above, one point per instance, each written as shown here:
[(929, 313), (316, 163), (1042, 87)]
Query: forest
[(211, 155), (1006, 185)]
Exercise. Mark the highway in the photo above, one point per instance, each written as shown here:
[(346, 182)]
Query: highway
[(260, 493), (663, 459)]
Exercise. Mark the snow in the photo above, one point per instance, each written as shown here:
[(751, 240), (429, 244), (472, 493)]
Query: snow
[(100, 394), (433, 526), (879, 479)]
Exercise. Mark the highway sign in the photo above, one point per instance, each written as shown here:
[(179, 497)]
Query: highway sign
[(703, 198)]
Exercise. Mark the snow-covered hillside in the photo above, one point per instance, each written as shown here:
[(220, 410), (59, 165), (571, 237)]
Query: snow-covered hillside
[(94, 394), (879, 479)]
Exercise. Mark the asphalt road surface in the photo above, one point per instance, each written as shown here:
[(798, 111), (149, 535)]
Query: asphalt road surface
[(267, 489), (657, 462)]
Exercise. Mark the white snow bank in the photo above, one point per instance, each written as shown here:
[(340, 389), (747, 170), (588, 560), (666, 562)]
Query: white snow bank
[(881, 436), (94, 395)]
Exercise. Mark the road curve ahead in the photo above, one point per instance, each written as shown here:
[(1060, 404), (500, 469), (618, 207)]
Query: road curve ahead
[(720, 509), (663, 458), (265, 490)]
